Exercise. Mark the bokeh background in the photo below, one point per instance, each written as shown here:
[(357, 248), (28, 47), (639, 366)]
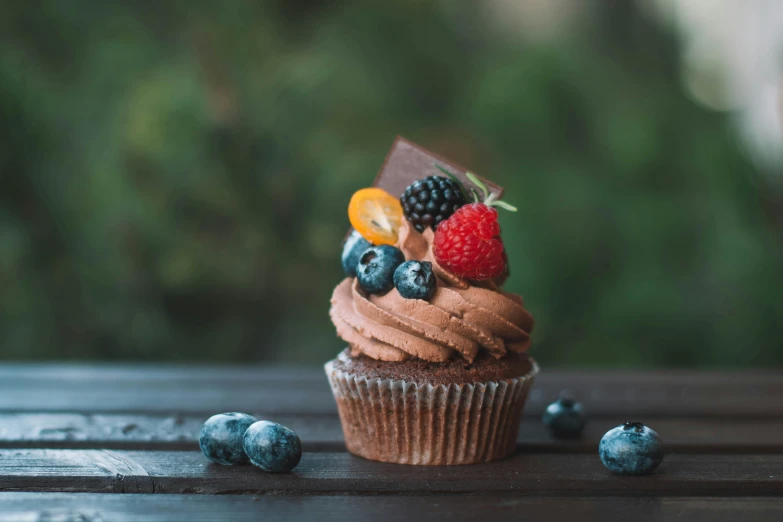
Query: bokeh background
[(174, 176)]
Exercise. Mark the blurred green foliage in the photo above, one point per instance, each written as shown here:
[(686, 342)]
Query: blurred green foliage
[(174, 178)]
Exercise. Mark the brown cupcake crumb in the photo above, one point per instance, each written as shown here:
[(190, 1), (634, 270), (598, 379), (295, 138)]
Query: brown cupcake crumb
[(484, 368)]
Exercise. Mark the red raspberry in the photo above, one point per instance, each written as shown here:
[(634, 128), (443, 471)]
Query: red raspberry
[(468, 244)]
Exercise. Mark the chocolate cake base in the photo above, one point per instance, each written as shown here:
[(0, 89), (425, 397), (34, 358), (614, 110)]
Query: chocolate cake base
[(456, 371), (431, 413)]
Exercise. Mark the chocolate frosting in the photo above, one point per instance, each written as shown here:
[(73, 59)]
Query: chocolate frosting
[(462, 318)]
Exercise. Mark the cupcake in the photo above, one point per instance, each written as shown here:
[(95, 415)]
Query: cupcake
[(436, 370)]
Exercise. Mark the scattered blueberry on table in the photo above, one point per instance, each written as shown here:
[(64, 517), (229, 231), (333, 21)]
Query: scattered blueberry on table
[(415, 280), (376, 267), (353, 248), (565, 418), (221, 437), (631, 449), (272, 447)]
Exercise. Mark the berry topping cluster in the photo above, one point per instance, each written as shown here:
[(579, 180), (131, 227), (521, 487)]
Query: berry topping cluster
[(466, 236)]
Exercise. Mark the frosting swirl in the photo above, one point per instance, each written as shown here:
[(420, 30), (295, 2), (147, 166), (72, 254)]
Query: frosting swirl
[(461, 318)]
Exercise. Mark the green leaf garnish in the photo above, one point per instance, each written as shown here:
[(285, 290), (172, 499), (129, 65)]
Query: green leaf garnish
[(480, 184), (489, 198), (503, 205), (446, 172)]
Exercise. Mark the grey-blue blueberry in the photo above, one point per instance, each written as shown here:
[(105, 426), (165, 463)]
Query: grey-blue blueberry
[(631, 449), (221, 437), (272, 447), (376, 267), (415, 280), (353, 248), (565, 418)]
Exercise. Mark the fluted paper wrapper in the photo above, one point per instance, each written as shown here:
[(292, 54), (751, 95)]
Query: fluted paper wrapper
[(409, 423)]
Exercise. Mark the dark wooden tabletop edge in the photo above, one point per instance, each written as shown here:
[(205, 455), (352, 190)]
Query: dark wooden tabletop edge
[(26, 506)]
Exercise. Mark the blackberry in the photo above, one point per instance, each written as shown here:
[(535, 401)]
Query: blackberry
[(429, 201)]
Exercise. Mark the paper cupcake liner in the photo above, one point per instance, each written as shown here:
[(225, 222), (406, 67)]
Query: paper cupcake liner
[(409, 423)]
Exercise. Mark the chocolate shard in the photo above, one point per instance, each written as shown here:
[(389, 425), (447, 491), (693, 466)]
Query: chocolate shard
[(408, 162)]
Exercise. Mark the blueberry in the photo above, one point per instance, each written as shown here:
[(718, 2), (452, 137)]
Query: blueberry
[(221, 437), (631, 449), (376, 267), (353, 248), (415, 280), (272, 447), (565, 418)]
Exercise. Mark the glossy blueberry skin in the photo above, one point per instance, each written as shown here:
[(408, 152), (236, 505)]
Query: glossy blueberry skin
[(376, 267), (415, 280), (353, 248), (631, 449), (221, 437), (272, 447), (565, 418)]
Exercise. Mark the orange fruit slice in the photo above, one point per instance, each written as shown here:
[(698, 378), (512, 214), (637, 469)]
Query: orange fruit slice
[(376, 215)]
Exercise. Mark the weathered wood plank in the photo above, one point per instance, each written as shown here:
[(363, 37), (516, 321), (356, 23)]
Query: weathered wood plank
[(85, 507), (156, 372), (291, 390), (524, 474), (178, 373), (324, 433), (143, 432), (309, 396)]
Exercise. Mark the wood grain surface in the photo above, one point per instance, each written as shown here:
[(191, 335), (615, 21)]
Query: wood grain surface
[(341, 473), (119, 442), (286, 390), (86, 507), (324, 433)]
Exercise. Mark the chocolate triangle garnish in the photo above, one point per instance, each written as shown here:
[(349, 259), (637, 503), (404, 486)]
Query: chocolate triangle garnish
[(408, 162)]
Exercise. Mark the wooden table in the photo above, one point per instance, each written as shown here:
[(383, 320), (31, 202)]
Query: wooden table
[(110, 442)]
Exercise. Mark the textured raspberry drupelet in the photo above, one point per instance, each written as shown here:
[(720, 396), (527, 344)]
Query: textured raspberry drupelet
[(468, 244)]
